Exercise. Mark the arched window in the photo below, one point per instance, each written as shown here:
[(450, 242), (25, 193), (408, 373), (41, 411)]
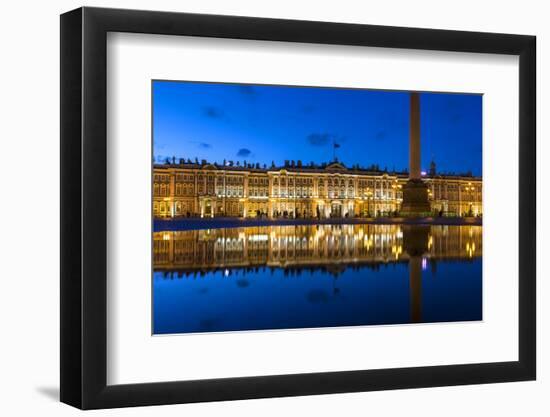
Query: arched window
[(156, 189)]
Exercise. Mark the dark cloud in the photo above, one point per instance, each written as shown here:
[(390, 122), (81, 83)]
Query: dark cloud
[(248, 91), (244, 152), (202, 145), (319, 139), (212, 112)]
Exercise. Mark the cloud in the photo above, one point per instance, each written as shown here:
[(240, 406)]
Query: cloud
[(212, 112), (248, 91), (202, 145), (244, 152), (320, 139)]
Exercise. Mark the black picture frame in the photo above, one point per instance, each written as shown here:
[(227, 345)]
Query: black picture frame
[(84, 207)]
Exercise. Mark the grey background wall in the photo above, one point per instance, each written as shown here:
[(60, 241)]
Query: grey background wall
[(29, 220)]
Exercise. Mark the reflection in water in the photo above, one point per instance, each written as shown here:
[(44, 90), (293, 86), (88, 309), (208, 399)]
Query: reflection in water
[(250, 278), (283, 246)]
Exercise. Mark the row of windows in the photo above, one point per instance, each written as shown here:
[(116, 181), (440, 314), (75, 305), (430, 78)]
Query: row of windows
[(298, 192), (180, 207), (292, 181), (446, 191), (230, 180), (454, 196), (162, 190), (258, 192), (184, 189), (159, 177), (188, 189), (454, 187), (239, 179), (258, 181), (231, 191), (185, 177)]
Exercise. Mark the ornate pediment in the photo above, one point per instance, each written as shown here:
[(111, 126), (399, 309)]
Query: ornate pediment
[(210, 167), (336, 166)]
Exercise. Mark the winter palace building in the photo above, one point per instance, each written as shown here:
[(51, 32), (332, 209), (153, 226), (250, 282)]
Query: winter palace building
[(202, 189)]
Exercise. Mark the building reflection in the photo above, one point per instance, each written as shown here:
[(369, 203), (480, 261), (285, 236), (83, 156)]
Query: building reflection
[(332, 248), (302, 246)]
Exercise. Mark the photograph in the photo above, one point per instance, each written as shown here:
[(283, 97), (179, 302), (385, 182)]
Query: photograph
[(279, 205), (292, 207)]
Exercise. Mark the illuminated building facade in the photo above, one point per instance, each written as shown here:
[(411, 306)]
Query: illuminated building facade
[(188, 189)]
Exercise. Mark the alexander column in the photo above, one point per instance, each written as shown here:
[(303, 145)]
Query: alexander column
[(415, 192)]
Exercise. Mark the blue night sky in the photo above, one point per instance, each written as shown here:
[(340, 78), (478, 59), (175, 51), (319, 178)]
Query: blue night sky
[(276, 123)]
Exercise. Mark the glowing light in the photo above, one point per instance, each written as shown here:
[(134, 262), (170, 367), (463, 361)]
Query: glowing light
[(424, 264), (396, 250), (470, 249)]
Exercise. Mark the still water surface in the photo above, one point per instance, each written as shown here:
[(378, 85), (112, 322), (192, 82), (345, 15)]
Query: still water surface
[(284, 277)]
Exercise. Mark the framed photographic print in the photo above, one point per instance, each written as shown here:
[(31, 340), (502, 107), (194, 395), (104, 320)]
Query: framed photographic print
[(257, 208)]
